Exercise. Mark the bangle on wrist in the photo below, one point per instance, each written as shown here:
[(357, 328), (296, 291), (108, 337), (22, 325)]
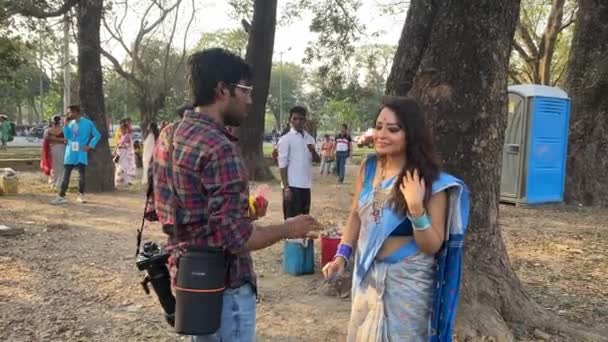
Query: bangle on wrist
[(421, 222), (344, 250)]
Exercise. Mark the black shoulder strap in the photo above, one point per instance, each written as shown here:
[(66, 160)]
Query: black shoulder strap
[(150, 191)]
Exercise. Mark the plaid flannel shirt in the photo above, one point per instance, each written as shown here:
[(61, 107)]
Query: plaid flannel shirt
[(211, 193)]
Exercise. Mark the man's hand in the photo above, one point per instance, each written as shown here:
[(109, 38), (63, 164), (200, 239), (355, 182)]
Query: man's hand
[(299, 226), (287, 195), (261, 206), (87, 148), (315, 156)]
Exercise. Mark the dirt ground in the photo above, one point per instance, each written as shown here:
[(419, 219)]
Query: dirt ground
[(71, 276)]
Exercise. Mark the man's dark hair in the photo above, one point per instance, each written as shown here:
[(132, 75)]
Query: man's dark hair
[(74, 108), (297, 110), (183, 108), (207, 68)]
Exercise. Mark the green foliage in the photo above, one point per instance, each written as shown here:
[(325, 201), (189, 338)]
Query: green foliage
[(363, 88), (241, 9), (292, 77), (234, 40), (337, 112), (10, 56), (338, 30)]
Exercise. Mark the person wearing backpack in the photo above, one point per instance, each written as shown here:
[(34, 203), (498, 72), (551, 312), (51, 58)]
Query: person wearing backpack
[(6, 131)]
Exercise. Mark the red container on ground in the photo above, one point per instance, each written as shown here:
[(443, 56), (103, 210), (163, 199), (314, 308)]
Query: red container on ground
[(329, 246)]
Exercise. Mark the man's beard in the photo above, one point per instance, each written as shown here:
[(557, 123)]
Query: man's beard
[(233, 119)]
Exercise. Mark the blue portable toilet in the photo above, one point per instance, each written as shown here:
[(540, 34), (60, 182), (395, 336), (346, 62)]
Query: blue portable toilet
[(536, 145)]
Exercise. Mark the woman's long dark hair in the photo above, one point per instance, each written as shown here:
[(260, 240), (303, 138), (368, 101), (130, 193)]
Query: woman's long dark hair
[(419, 147), (153, 128)]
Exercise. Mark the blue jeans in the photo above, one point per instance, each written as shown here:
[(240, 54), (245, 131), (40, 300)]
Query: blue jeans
[(238, 317), (341, 164)]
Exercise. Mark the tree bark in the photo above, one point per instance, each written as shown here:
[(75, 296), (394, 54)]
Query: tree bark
[(19, 113), (587, 83), (100, 172), (259, 55), (460, 80)]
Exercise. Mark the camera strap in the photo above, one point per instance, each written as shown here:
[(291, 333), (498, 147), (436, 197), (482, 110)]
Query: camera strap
[(150, 192), (140, 231), (170, 179)]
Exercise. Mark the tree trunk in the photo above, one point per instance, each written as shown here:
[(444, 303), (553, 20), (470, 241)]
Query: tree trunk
[(259, 55), (32, 112), (549, 39), (19, 113), (458, 72), (100, 172), (587, 82)]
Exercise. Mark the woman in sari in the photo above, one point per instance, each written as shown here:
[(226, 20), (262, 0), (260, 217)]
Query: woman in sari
[(125, 166), (53, 152), (397, 228), (148, 150)]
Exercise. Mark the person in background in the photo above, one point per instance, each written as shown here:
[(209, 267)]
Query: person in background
[(327, 155), (210, 189), (53, 148), (81, 136), (5, 132), (296, 154), (286, 129), (137, 148), (148, 150), (343, 151), (118, 132), (125, 166)]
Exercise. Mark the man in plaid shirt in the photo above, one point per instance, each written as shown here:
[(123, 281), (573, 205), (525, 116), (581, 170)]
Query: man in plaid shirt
[(210, 198)]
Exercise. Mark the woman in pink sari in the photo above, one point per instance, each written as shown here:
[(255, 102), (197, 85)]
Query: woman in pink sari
[(125, 165), (53, 150)]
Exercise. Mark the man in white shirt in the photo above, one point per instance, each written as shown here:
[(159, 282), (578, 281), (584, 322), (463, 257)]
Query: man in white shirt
[(296, 154), (343, 151)]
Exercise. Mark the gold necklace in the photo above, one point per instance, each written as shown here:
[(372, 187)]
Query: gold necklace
[(378, 200)]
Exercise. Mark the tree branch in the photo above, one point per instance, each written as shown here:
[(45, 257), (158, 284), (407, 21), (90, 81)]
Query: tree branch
[(29, 9), (164, 14), (116, 36), (144, 30), (122, 72), (559, 77), (168, 47), (515, 77), (347, 16), (528, 40), (180, 63), (522, 52), (570, 20)]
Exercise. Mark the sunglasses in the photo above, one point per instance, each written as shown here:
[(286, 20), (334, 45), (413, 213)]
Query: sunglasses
[(244, 88)]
